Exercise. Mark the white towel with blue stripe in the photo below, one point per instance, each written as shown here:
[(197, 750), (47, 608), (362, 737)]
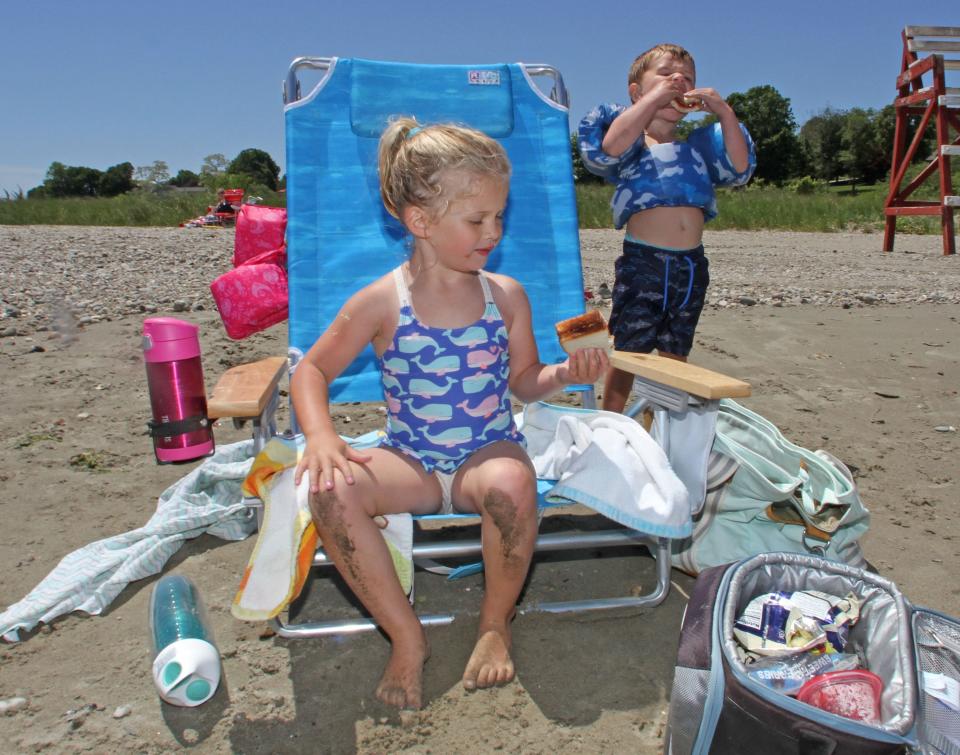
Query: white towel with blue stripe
[(609, 463), (208, 499)]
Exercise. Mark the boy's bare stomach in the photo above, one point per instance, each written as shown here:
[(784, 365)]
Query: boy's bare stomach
[(674, 227)]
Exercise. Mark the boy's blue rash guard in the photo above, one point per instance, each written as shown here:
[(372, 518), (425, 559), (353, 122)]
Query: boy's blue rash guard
[(675, 174)]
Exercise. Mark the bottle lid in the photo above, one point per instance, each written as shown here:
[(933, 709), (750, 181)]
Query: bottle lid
[(187, 672), (159, 329)]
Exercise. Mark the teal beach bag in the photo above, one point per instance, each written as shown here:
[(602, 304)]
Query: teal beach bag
[(765, 494)]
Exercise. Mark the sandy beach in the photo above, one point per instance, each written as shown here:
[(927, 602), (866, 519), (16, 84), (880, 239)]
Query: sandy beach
[(848, 349)]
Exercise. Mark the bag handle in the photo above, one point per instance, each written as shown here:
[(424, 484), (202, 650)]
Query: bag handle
[(784, 513)]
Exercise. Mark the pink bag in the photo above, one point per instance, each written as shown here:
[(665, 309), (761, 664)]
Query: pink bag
[(259, 229), (251, 297)]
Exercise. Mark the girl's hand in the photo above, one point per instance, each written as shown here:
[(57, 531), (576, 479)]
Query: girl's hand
[(322, 456), (584, 366)]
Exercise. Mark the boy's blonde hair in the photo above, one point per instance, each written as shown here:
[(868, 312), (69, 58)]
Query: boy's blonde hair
[(644, 59), (414, 158)]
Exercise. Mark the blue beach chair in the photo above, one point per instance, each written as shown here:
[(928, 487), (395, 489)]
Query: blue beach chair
[(340, 238)]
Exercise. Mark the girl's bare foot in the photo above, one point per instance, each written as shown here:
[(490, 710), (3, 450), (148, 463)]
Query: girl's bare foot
[(401, 685), (490, 663)]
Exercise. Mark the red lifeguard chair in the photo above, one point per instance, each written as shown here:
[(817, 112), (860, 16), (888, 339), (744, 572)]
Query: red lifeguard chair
[(936, 102)]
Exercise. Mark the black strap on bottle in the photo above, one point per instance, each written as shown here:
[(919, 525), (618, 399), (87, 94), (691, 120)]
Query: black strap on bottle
[(181, 426)]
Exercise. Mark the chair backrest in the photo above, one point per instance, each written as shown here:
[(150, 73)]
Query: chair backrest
[(339, 236)]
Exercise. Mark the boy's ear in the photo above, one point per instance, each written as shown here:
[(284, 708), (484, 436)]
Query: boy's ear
[(416, 220), (634, 92)]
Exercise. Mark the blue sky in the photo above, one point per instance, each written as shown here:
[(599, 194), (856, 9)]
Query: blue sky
[(101, 82)]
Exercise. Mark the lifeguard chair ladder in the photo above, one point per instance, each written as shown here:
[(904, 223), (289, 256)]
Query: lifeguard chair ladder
[(935, 102)]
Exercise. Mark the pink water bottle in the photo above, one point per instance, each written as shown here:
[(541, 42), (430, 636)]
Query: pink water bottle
[(180, 428)]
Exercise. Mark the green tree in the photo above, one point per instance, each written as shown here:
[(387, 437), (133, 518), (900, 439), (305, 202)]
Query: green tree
[(214, 164), (822, 138), (580, 173), (185, 178), (154, 175), (258, 165), (769, 118), (69, 181), (117, 179), (864, 155)]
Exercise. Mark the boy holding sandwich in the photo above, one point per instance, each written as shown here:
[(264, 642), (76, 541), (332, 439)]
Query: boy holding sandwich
[(664, 195)]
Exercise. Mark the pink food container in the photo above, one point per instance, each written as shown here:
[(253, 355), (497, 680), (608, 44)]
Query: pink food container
[(851, 694)]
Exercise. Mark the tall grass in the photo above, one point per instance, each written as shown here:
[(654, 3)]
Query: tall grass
[(782, 209), (752, 208), (136, 208)]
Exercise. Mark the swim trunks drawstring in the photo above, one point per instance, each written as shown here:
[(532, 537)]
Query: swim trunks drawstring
[(666, 282), (689, 282)]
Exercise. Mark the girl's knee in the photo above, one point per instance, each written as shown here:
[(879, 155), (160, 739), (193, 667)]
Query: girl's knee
[(328, 507), (515, 481)]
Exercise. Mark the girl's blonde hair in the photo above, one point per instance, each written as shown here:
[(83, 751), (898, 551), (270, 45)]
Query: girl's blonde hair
[(413, 160), (644, 59)]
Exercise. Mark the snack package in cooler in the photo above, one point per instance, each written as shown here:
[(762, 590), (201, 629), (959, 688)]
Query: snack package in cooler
[(787, 674), (783, 623)]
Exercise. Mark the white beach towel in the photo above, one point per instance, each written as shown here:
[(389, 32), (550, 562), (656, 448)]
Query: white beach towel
[(609, 463), (208, 499)]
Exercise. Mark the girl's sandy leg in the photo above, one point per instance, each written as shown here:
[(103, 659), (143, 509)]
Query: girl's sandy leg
[(508, 533), (354, 543)]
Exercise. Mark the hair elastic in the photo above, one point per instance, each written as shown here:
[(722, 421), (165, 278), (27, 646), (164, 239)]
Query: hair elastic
[(414, 131)]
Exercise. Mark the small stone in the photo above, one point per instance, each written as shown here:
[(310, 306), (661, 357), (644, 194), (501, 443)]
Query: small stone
[(191, 736), (867, 298), (122, 711), (180, 306), (37, 350), (83, 415), (12, 706), (604, 291), (747, 301), (8, 332), (945, 429)]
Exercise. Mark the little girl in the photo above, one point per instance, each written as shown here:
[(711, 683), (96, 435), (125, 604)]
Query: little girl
[(451, 340)]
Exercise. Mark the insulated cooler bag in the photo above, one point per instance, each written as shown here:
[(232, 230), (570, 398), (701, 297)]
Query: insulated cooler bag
[(716, 708)]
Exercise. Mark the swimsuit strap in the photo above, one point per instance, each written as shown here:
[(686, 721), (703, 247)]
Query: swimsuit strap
[(403, 293), (485, 285)]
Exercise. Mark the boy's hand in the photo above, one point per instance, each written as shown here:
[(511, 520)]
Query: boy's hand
[(322, 456), (584, 366), (712, 101), (665, 91)]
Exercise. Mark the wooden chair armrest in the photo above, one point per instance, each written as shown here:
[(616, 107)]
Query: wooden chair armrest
[(244, 391), (683, 376)]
